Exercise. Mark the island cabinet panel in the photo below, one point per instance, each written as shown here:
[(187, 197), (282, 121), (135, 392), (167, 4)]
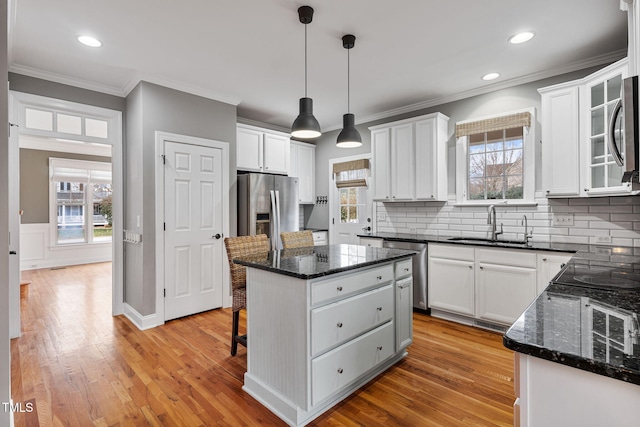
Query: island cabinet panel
[(404, 308), (336, 323), (337, 368)]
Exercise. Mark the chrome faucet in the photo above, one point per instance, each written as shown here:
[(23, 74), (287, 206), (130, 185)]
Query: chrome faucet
[(491, 220), (527, 234)]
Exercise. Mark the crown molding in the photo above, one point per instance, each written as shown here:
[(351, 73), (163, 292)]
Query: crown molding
[(263, 125), (568, 68)]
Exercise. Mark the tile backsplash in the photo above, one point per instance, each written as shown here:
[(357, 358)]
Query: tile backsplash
[(602, 220)]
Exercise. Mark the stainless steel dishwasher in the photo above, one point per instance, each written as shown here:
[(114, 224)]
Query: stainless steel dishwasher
[(419, 271)]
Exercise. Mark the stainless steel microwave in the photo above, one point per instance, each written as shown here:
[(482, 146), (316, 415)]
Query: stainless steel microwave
[(624, 132)]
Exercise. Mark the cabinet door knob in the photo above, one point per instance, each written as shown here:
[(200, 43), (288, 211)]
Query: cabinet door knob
[(379, 348), (544, 259), (471, 266), (339, 288), (481, 268), (379, 308), (340, 370), (379, 277), (339, 325)]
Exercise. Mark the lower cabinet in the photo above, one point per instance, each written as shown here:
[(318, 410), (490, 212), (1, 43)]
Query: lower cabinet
[(320, 238), (493, 284), (373, 242)]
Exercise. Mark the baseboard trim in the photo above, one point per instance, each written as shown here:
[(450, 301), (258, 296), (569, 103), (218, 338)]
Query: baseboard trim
[(36, 264), (142, 322)]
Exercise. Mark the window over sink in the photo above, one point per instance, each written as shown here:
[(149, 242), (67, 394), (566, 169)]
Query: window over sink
[(495, 159)]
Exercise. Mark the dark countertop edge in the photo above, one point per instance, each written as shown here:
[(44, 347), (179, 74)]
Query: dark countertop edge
[(317, 229), (573, 361), (533, 246), (324, 273)]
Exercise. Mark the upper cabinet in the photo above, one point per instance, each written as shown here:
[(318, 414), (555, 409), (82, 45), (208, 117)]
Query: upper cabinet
[(262, 150), (409, 159), (575, 120), (302, 166)]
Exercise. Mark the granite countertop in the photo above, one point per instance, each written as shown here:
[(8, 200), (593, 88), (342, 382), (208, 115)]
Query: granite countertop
[(318, 261)]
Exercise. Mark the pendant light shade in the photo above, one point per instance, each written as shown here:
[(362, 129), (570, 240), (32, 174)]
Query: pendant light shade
[(349, 137), (305, 125)]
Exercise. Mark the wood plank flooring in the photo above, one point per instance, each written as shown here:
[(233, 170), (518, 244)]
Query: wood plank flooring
[(79, 366)]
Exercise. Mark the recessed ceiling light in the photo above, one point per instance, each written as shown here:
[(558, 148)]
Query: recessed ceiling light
[(521, 37), (89, 41), (490, 76)]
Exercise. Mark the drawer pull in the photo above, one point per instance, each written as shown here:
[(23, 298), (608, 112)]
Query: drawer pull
[(406, 269), (339, 288), (471, 266), (340, 370), (379, 277), (379, 308), (339, 325), (406, 285), (379, 348)]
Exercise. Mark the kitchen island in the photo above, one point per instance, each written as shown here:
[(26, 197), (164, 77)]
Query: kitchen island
[(577, 360), (323, 321)]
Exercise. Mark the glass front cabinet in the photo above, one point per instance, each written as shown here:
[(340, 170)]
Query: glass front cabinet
[(601, 175)]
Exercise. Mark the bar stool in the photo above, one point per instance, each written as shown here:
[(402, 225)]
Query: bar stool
[(296, 239)]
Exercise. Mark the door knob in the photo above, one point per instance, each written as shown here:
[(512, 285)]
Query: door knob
[(216, 236)]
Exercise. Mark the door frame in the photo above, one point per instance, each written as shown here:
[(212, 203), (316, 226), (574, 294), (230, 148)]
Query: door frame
[(161, 137), (115, 140), (333, 189)]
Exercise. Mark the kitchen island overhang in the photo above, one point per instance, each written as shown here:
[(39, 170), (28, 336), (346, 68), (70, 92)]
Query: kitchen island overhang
[(323, 321)]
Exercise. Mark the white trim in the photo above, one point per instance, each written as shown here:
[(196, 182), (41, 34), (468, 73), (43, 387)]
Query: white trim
[(47, 144), (161, 137), (142, 322)]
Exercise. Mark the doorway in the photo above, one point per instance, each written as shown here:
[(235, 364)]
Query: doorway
[(350, 199), (48, 125)]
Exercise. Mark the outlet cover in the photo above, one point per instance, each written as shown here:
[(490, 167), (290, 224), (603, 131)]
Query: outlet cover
[(563, 220), (603, 239)]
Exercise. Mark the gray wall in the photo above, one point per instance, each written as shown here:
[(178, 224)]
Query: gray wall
[(34, 182), (152, 108), (499, 101)]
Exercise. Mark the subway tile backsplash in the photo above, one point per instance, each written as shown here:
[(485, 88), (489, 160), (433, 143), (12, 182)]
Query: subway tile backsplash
[(602, 220)]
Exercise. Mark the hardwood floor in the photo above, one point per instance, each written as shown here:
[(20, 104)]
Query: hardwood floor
[(79, 366)]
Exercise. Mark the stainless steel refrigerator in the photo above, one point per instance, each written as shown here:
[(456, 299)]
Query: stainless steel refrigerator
[(267, 204)]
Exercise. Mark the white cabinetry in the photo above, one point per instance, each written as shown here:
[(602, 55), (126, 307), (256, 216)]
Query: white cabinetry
[(373, 242), (303, 166), (320, 238), (575, 152), (548, 265), (314, 342), (261, 150), (506, 284), (492, 284), (409, 159)]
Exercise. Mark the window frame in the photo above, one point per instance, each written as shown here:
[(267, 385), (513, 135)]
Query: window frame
[(529, 162), (88, 201)]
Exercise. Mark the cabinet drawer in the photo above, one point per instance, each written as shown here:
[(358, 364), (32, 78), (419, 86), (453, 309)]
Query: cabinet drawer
[(339, 322), (343, 286), (404, 268), (518, 258), (320, 238), (337, 368), (373, 242), (459, 252)]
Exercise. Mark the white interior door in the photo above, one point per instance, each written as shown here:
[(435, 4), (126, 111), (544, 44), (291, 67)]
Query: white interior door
[(194, 223), (14, 226), (351, 212)]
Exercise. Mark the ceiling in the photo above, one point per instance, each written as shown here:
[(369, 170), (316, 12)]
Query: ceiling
[(409, 54)]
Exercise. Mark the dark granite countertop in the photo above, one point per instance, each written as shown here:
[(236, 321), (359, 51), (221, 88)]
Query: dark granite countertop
[(318, 261)]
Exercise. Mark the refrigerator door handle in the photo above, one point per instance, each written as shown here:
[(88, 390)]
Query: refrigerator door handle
[(273, 228), (277, 219)]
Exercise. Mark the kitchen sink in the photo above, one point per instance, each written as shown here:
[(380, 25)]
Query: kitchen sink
[(481, 241)]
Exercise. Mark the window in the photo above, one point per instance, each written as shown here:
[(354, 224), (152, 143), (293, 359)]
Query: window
[(351, 204), (81, 196), (497, 157)]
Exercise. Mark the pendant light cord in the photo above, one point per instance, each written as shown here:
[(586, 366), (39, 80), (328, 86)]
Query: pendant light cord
[(305, 60), (348, 83)]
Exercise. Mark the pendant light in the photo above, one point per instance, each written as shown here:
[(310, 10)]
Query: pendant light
[(305, 125), (349, 137)]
